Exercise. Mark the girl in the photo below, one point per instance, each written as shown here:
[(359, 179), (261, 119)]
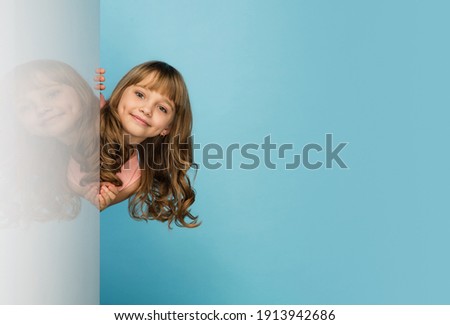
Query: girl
[(55, 129), (146, 145)]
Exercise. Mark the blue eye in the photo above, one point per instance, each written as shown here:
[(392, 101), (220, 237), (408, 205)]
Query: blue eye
[(163, 109), (139, 94)]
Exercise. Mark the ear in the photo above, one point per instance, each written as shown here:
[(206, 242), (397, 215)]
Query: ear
[(165, 131)]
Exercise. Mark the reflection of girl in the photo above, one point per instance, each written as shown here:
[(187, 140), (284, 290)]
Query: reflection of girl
[(56, 111), (146, 149)]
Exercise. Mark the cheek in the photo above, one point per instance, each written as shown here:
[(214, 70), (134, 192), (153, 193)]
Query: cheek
[(121, 117), (165, 121), (125, 104), (123, 114), (121, 110), (73, 107), (69, 98)]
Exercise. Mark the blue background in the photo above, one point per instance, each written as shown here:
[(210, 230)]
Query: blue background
[(375, 74)]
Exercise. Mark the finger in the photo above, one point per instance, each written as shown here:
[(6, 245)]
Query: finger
[(100, 71), (99, 78), (102, 202), (110, 195), (113, 189), (100, 86), (104, 190), (91, 195)]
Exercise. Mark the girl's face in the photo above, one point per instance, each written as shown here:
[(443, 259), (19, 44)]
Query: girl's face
[(145, 113), (50, 111)]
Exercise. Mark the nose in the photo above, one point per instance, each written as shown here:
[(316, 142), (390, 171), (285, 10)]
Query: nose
[(41, 105), (146, 110), (42, 108)]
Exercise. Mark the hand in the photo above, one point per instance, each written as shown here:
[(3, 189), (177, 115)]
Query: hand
[(92, 195), (100, 78), (108, 193)]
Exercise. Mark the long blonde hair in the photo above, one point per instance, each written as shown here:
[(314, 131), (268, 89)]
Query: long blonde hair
[(165, 192)]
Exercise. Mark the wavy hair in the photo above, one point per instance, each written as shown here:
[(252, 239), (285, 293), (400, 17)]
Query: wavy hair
[(165, 192)]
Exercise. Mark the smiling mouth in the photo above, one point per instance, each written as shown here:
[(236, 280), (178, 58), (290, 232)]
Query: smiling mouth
[(50, 119), (139, 120)]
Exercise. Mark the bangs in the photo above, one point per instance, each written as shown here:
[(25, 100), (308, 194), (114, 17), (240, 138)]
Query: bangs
[(168, 84), (36, 75), (34, 80)]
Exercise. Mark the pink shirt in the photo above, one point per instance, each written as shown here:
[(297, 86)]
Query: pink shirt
[(130, 172)]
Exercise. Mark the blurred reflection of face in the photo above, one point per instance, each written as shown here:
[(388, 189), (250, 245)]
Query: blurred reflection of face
[(50, 111)]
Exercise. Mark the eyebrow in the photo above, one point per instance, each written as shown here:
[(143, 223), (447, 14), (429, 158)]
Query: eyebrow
[(164, 100)]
